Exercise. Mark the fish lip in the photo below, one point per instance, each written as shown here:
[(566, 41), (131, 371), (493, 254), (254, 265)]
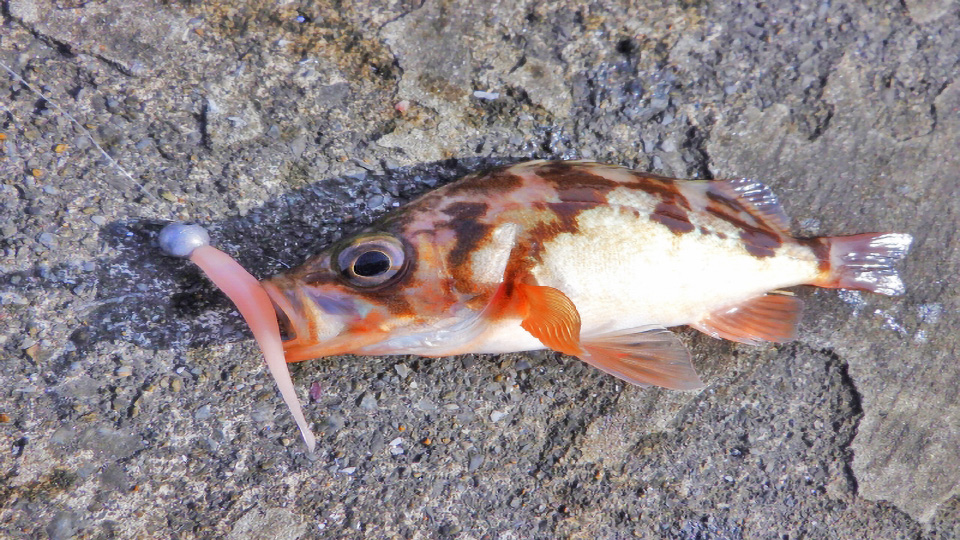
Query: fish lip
[(287, 318), (287, 332)]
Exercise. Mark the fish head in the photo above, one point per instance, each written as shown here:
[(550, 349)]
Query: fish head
[(388, 290)]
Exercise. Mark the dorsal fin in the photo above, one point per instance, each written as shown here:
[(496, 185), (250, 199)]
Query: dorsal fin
[(756, 197)]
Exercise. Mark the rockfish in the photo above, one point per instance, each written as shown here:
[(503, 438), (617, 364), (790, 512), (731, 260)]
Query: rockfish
[(591, 260)]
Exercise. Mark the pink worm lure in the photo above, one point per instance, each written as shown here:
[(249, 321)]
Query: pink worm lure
[(193, 242)]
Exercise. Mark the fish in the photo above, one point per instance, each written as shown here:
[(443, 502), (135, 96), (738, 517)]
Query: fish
[(591, 260)]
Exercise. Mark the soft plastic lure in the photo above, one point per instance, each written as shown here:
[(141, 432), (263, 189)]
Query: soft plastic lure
[(193, 242)]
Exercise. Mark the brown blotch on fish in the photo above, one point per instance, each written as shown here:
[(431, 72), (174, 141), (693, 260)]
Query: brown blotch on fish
[(673, 217), (759, 240), (567, 213), (733, 204), (760, 243), (499, 180), (471, 232), (821, 248), (583, 194), (555, 219), (666, 189), (577, 182)]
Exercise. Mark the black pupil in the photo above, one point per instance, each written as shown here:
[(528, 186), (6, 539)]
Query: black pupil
[(371, 263)]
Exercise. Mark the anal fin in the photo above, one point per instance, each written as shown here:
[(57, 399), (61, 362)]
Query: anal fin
[(643, 356), (772, 317)]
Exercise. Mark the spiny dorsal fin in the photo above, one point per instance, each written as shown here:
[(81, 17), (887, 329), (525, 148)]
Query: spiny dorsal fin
[(756, 196), (650, 355), (772, 317)]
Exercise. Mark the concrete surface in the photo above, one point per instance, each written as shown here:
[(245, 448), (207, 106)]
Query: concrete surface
[(133, 403)]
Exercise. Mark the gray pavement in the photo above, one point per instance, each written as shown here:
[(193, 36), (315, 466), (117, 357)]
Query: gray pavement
[(133, 402)]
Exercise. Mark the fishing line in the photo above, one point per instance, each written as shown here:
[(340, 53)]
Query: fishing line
[(85, 131), (192, 242)]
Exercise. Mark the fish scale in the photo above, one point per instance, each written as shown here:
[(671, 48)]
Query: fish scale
[(660, 277)]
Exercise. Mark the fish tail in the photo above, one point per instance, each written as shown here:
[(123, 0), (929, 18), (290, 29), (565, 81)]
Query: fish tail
[(863, 261)]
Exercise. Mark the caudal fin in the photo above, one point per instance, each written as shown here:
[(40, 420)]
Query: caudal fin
[(865, 262)]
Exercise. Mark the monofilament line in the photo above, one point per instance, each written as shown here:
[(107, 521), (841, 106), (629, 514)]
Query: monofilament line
[(85, 131)]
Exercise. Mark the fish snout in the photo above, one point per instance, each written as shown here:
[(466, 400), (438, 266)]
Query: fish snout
[(290, 315), (308, 314)]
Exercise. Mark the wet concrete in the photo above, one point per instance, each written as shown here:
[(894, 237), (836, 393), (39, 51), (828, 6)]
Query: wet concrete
[(134, 403)]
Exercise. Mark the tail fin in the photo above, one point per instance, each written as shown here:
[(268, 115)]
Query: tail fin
[(865, 262)]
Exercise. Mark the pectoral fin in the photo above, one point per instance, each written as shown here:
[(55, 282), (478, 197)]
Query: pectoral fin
[(772, 317), (550, 317), (643, 356)]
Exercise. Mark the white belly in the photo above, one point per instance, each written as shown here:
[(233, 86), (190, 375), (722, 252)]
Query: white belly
[(623, 273), (626, 273)]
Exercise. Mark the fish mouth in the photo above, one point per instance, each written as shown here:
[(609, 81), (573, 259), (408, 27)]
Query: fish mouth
[(314, 322), (286, 327), (288, 316)]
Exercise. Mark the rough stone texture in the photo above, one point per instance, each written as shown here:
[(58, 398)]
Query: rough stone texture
[(133, 403), (895, 458)]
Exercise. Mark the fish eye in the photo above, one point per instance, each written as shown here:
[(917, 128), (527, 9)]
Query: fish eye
[(371, 264), (372, 261)]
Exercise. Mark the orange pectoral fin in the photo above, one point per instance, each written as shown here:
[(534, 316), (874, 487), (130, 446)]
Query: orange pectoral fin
[(549, 316), (772, 317)]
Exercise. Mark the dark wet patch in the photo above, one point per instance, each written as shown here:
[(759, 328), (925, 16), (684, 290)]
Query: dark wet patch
[(673, 217)]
